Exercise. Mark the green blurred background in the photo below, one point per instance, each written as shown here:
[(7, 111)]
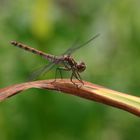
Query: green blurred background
[(113, 60)]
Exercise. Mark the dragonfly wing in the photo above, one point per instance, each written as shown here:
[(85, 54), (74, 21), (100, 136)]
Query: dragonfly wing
[(72, 49), (69, 51), (41, 71)]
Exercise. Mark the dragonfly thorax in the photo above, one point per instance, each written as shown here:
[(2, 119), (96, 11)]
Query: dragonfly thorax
[(67, 57), (81, 66)]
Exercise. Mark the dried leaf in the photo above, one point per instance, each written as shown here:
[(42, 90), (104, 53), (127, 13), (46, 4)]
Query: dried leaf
[(88, 91)]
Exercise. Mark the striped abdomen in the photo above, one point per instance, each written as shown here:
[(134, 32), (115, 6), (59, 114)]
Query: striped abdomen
[(35, 51)]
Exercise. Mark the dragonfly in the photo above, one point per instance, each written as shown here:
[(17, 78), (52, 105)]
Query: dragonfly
[(66, 60)]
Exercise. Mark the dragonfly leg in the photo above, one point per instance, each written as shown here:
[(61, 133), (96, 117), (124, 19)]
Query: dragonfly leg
[(60, 72), (78, 77), (74, 75), (71, 78), (60, 69)]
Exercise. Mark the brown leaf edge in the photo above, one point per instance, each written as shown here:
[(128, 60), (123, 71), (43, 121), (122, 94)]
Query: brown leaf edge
[(88, 91)]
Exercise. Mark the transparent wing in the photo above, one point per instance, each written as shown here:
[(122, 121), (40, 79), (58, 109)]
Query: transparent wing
[(69, 51), (72, 49), (41, 71), (47, 67)]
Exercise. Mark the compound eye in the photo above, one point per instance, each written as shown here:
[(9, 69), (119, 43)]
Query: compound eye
[(81, 66)]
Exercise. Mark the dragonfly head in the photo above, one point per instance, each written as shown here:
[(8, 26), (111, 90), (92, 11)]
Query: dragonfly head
[(81, 66)]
